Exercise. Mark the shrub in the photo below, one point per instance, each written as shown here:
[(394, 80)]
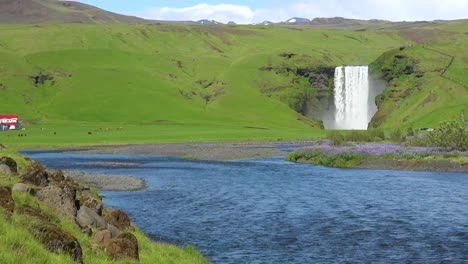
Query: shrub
[(450, 135), (397, 135), (410, 132), (336, 138)]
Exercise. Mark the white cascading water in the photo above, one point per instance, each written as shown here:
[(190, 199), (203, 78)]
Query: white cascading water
[(351, 98)]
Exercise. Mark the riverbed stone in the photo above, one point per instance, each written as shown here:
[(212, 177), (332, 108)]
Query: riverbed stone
[(125, 246), (62, 201), (36, 174), (118, 219), (88, 217), (6, 200)]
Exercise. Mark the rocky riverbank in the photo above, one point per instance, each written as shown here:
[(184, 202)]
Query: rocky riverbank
[(51, 216), (104, 182), (201, 150)]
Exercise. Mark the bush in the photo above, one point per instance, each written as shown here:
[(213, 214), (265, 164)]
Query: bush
[(336, 138), (410, 132), (397, 135), (451, 135)]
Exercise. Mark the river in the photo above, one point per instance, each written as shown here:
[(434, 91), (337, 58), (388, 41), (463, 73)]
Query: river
[(272, 211)]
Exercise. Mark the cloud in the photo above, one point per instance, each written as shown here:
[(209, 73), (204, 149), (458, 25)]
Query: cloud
[(222, 13), (396, 10)]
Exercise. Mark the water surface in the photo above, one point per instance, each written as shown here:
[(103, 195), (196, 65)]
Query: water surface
[(272, 211)]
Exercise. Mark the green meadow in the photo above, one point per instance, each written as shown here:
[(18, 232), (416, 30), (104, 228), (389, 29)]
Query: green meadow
[(109, 84)]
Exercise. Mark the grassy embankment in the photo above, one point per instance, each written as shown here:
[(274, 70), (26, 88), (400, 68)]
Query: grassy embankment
[(17, 244), (154, 83)]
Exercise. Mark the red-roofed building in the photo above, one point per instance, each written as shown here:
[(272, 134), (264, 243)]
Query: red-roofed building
[(8, 122)]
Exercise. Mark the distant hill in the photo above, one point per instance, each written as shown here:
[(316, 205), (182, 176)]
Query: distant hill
[(54, 11)]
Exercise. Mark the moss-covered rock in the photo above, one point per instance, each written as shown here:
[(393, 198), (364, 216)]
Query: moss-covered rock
[(125, 246), (33, 212), (6, 200), (118, 219), (36, 174), (56, 240)]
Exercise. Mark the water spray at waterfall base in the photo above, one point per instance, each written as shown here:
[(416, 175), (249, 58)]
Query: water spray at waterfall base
[(351, 98)]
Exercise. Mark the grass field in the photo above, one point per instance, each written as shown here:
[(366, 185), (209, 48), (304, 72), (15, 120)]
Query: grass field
[(200, 83)]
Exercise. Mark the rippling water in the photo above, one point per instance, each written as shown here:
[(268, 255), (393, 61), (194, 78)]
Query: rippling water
[(272, 211)]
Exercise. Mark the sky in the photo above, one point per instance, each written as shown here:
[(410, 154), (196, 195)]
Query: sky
[(256, 11)]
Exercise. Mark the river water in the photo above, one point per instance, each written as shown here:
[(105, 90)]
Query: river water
[(272, 211)]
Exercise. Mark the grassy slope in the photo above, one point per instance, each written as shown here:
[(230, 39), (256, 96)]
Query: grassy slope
[(442, 93), (17, 245), (143, 78)]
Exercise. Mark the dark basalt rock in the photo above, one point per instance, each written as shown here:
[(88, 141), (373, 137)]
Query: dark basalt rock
[(36, 174), (6, 200), (118, 219), (125, 246), (56, 240)]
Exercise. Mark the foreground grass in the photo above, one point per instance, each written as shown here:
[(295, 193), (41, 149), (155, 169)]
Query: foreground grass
[(17, 245)]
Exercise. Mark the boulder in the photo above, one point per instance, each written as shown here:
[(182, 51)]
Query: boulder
[(36, 174), (33, 212), (11, 163), (62, 201), (5, 170), (94, 204), (114, 230), (23, 188), (6, 200), (56, 240), (87, 231), (103, 236), (118, 219), (88, 217), (125, 246)]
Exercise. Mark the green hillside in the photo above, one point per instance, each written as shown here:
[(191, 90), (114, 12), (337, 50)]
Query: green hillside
[(88, 84)]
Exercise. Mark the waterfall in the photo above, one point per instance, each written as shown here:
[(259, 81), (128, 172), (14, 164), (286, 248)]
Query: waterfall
[(351, 98)]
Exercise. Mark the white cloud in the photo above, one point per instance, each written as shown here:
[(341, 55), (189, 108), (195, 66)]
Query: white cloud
[(222, 13), (396, 10)]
